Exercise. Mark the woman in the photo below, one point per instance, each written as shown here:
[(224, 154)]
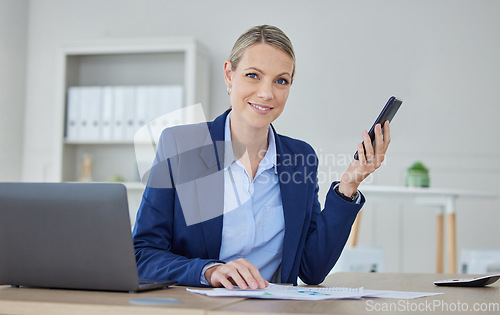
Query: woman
[(247, 213)]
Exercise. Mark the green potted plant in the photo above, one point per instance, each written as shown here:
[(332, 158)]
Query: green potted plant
[(116, 178), (417, 175)]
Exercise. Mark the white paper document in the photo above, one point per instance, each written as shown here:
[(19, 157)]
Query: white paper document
[(402, 295), (284, 292)]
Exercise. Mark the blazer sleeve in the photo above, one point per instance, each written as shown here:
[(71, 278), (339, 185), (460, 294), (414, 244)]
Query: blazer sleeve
[(153, 232), (327, 235)]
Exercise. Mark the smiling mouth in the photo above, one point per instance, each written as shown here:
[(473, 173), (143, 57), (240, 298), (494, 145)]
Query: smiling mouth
[(260, 107)]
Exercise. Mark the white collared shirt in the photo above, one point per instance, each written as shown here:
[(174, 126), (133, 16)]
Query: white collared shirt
[(253, 223)]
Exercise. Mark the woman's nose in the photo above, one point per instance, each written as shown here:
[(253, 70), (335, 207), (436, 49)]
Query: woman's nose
[(265, 91)]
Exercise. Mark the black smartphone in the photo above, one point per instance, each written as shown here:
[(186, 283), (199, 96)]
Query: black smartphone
[(387, 113)]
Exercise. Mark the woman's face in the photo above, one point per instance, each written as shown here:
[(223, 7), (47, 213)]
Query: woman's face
[(259, 85)]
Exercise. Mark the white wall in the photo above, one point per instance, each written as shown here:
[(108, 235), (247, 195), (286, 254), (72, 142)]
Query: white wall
[(440, 57), (13, 39)]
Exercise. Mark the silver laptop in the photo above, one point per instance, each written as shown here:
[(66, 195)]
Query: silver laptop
[(68, 235)]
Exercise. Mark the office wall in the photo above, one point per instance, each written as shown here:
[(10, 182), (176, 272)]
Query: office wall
[(13, 39), (440, 57)]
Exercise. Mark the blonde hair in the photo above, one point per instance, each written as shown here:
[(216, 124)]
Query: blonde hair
[(262, 34)]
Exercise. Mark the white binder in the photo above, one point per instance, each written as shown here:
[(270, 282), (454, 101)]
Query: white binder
[(129, 119), (143, 102), (73, 114), (123, 102), (107, 113), (90, 113), (168, 99)]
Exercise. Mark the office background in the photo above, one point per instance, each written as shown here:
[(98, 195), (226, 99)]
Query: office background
[(440, 57)]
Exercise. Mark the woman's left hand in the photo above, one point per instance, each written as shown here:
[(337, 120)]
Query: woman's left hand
[(368, 161)]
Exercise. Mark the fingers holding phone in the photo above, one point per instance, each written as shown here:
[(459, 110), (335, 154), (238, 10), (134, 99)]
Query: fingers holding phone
[(372, 156), (382, 140), (386, 115), (371, 152)]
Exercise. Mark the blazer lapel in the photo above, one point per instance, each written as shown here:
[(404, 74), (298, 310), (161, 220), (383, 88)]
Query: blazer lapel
[(210, 186)]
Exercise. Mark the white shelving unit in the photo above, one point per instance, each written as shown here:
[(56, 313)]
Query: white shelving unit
[(124, 62)]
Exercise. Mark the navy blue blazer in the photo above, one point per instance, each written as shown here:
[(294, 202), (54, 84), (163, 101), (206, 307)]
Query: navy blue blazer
[(171, 244)]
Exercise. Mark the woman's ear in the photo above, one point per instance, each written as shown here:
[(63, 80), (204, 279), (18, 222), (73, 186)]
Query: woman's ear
[(228, 73)]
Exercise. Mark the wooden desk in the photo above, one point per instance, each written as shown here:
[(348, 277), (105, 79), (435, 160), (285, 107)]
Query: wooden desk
[(68, 302), (376, 281), (444, 199)]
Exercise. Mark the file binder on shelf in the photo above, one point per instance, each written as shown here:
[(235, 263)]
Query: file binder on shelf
[(116, 113), (120, 105), (90, 113), (73, 114), (169, 99), (107, 113), (143, 99), (129, 121)]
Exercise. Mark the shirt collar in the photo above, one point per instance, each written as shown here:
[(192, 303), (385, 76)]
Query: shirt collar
[(269, 159)]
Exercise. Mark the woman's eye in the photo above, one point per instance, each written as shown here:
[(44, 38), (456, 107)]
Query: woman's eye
[(282, 81), (252, 75)]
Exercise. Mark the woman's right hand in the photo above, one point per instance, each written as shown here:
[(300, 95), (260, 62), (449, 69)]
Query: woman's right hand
[(238, 272)]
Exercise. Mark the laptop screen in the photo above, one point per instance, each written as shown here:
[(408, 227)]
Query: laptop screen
[(66, 235)]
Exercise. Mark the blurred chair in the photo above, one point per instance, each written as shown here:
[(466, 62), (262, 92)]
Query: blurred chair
[(360, 259)]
